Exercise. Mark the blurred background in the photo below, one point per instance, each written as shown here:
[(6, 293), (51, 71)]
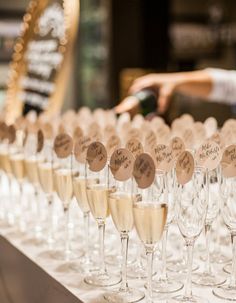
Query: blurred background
[(119, 40)]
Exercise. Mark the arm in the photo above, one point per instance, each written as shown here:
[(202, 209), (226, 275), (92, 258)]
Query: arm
[(210, 84)]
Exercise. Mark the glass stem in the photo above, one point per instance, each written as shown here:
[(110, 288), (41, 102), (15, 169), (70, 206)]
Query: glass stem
[(22, 210), (50, 239), (207, 235), (68, 248), (163, 253), (149, 254), (188, 285), (124, 247), (101, 229), (38, 213), (86, 237), (233, 273)]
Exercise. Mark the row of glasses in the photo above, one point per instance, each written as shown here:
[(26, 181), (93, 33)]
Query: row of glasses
[(99, 196)]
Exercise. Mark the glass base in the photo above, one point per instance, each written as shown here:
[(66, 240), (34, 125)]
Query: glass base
[(117, 260), (70, 267), (137, 271), (101, 279), (59, 255), (165, 286), (128, 296), (228, 268), (33, 241), (179, 266), (208, 279), (218, 257), (225, 292), (192, 299)]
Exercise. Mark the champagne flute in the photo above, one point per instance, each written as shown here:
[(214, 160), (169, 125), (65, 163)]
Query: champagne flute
[(63, 145), (98, 199), (45, 173), (18, 170), (165, 184), (191, 214), (31, 168), (121, 208), (209, 277), (227, 291), (79, 186), (149, 212)]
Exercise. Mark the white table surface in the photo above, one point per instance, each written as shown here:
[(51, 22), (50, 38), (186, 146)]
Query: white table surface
[(89, 294)]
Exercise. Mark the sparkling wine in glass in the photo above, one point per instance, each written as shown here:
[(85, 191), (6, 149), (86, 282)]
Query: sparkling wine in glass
[(149, 212), (121, 208), (98, 199)]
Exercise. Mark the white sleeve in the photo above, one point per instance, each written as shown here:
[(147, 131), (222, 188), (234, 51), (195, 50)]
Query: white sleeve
[(224, 85)]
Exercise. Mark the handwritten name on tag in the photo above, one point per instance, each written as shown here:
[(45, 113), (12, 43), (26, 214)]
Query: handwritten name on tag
[(96, 156), (177, 146), (77, 133), (135, 147), (112, 144), (184, 167), (163, 157), (121, 164), (80, 149), (228, 162), (144, 170), (63, 145), (209, 155), (150, 140)]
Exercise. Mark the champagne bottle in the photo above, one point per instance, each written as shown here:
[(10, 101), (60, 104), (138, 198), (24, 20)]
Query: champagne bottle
[(143, 102)]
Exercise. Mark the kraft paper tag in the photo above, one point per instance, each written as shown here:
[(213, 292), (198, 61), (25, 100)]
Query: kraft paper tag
[(177, 146), (63, 145), (135, 147), (40, 141), (112, 144), (80, 149), (144, 170), (209, 155), (96, 156), (228, 161), (163, 157), (184, 167), (11, 133), (121, 164)]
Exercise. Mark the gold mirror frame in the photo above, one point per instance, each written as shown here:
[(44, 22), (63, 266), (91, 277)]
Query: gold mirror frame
[(18, 68)]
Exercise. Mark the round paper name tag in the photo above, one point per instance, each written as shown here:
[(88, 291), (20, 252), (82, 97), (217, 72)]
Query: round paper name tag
[(40, 141), (188, 138), (80, 149), (11, 133), (184, 167), (163, 157), (150, 140), (135, 147), (177, 146), (208, 155), (3, 130), (96, 156), (144, 170), (63, 145), (78, 133), (228, 162), (112, 144), (121, 164), (47, 131)]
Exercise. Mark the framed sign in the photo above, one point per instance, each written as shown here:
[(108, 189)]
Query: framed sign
[(42, 56)]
